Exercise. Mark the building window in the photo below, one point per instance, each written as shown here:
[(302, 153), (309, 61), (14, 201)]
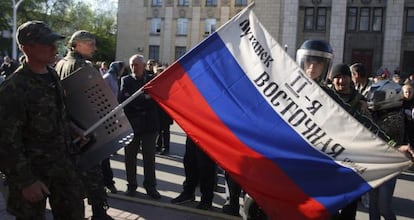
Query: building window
[(155, 26), (364, 19), (410, 20), (240, 3), (309, 12), (321, 19), (352, 19), (183, 2), (211, 2), (156, 3), (182, 26), (377, 20), (210, 26), (179, 51), (154, 52), (315, 23)]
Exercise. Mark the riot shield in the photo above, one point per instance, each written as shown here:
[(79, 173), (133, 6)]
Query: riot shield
[(89, 99)]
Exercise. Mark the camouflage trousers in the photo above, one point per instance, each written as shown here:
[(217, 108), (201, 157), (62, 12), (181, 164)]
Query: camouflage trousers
[(65, 197), (92, 180)]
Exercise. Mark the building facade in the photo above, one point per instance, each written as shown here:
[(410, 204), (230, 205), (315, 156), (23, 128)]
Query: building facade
[(378, 33)]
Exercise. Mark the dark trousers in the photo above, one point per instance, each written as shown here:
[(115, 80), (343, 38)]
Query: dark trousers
[(348, 212), (147, 142), (199, 170), (108, 175), (234, 190), (163, 139)]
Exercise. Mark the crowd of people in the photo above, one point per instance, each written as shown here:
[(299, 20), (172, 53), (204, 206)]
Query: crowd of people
[(39, 159)]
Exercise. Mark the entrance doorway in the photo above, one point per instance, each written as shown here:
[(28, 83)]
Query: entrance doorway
[(363, 56)]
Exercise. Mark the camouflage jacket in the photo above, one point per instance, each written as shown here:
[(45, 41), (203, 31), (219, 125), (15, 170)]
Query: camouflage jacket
[(70, 63), (33, 125)]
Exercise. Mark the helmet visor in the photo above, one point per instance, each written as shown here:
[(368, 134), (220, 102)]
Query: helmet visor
[(315, 65)]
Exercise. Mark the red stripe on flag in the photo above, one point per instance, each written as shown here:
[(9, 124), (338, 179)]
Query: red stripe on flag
[(274, 191)]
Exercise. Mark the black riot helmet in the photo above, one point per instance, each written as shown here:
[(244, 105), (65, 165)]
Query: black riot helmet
[(315, 58)]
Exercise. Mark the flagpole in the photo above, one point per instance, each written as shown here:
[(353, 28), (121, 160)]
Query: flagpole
[(110, 114), (250, 5)]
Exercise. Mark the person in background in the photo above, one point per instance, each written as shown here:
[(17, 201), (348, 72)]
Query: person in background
[(163, 138), (360, 78), (7, 67), (142, 113), (149, 68), (103, 68), (408, 109), (386, 106), (82, 46), (410, 80), (396, 78), (343, 87), (112, 77), (200, 170), (34, 140)]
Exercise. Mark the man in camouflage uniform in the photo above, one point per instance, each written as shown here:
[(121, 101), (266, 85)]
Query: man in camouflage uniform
[(81, 47), (34, 138)]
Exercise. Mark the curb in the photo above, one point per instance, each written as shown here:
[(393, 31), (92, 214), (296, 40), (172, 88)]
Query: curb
[(181, 208)]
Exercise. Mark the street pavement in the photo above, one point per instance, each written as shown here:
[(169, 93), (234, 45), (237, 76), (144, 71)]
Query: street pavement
[(170, 176)]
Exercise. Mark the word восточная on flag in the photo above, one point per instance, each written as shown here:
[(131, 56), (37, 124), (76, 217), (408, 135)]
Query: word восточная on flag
[(246, 103)]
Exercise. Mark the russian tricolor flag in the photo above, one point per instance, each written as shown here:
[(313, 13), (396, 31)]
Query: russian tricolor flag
[(241, 98)]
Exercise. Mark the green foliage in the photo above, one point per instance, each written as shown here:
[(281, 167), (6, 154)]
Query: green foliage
[(66, 17)]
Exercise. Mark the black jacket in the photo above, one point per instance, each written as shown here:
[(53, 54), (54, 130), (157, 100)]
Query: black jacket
[(142, 113)]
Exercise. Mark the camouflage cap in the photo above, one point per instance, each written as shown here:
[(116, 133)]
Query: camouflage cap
[(36, 32), (81, 35)]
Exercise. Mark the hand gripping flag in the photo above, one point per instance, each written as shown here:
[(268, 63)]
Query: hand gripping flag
[(247, 104)]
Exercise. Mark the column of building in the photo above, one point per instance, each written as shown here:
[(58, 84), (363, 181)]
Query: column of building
[(195, 27), (290, 13), (393, 34), (337, 30), (269, 14), (168, 35)]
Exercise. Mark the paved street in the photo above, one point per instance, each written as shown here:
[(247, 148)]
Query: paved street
[(170, 175)]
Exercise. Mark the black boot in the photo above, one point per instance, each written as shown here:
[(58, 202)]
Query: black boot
[(99, 212), (232, 206)]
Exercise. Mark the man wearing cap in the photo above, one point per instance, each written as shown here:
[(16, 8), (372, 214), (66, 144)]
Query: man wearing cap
[(81, 47), (33, 133), (342, 84)]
